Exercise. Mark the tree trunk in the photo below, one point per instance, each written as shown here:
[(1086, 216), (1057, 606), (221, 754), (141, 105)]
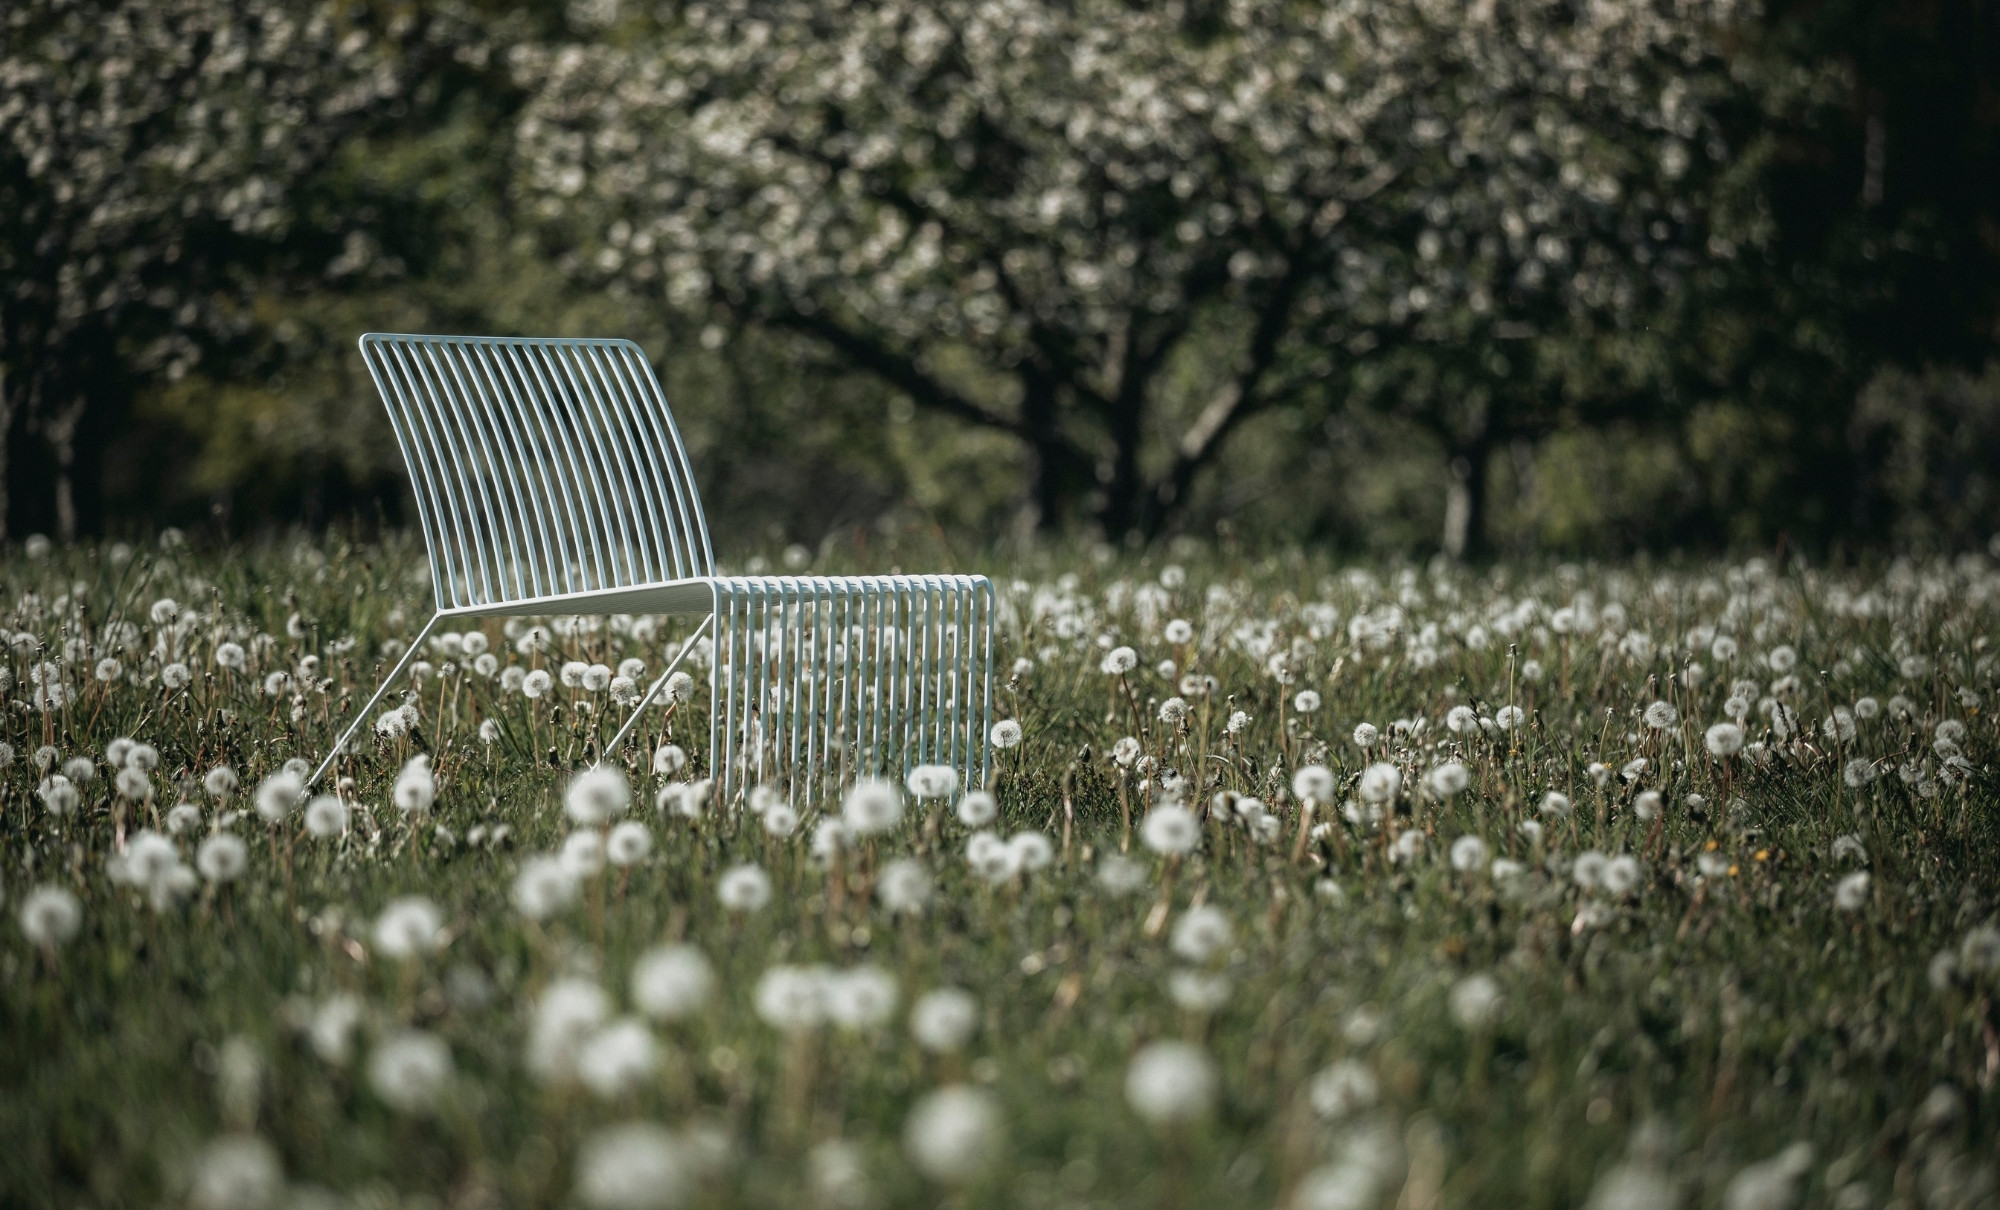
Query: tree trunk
[(1465, 504), (6, 432), (61, 433)]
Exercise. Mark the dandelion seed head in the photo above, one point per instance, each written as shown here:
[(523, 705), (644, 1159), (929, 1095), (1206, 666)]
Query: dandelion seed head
[(672, 982), (744, 888), (953, 1133), (222, 857), (1170, 1082), (633, 1166), (409, 1070), (1170, 830)]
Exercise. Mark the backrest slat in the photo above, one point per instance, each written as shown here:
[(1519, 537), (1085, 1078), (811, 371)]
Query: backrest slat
[(542, 468), (520, 573), (604, 442), (651, 522)]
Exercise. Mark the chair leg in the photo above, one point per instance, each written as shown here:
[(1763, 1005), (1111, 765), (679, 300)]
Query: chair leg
[(416, 645), (687, 645)]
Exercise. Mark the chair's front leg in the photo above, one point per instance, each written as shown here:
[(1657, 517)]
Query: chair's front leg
[(416, 645), (687, 645)]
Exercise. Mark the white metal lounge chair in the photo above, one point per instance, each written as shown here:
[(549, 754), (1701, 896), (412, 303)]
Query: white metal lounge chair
[(550, 479)]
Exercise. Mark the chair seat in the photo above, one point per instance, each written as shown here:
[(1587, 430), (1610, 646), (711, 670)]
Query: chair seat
[(705, 594)]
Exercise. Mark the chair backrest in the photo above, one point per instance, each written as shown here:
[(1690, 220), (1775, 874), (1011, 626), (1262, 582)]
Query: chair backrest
[(543, 468)]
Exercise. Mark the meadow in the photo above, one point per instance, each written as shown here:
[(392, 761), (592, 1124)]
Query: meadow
[(1295, 884)]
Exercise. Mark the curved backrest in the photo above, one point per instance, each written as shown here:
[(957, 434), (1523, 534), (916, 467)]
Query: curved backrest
[(543, 468)]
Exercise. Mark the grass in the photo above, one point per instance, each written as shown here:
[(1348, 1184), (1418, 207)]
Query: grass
[(1675, 1042)]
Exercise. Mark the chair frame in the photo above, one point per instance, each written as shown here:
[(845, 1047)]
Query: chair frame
[(550, 479)]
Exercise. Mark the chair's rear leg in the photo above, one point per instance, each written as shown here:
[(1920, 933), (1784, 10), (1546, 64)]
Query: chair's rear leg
[(687, 645), (409, 654)]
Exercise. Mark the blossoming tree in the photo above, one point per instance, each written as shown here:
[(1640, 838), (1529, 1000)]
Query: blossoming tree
[(1119, 233)]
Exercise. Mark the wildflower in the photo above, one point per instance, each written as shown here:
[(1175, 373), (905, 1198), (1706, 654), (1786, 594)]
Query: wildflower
[(1851, 892), (1179, 632), (953, 1133), (236, 1172), (1661, 715), (1769, 1184), (543, 887), (1174, 711), (222, 857), (1169, 1082), (1409, 845), (597, 794), (669, 759), (596, 679), (583, 854), (1125, 751), (1366, 735), (904, 887), (230, 657), (744, 888), (1621, 875), (220, 782), (1198, 991), (628, 844), (49, 916), (176, 675), (829, 837), (617, 1058), (415, 789), (1724, 740), (1169, 829), (1532, 673), (872, 806), (1239, 722), (1506, 869), (58, 795), (1306, 701), (326, 816), (992, 858), (1461, 719), (569, 1011), (408, 928), (1474, 1001), (943, 1020), (182, 817), (1120, 875), (331, 1027), (1448, 780), (1201, 933), (1867, 708), (633, 1166), (1555, 804), (1379, 783), (1006, 734), (1979, 950), (409, 1070), (861, 998), (782, 820), (1859, 772), (1343, 1090), (1468, 854), (977, 809), (1314, 782), (1118, 661), (792, 998), (537, 683), (671, 982), (931, 781), (1509, 717)]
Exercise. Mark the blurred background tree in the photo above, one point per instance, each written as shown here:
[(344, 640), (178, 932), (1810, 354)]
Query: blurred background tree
[(1405, 275)]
